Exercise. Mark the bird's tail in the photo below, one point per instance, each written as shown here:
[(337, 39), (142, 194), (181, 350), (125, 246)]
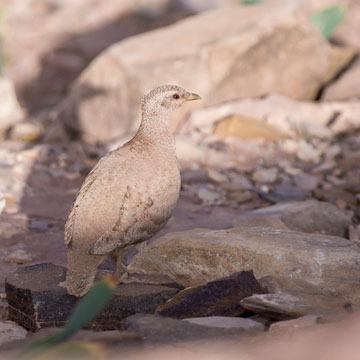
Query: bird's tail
[(81, 271)]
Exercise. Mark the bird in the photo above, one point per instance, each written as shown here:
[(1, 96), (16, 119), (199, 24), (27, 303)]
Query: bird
[(128, 196)]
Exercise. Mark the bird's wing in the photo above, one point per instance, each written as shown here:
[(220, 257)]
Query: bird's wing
[(135, 223), (89, 181)]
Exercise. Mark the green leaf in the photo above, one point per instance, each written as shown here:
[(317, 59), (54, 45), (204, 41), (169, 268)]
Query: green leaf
[(329, 19), (89, 306), (250, 2), (85, 311)]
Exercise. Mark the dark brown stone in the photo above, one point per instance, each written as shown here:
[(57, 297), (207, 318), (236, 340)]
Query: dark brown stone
[(217, 298), (36, 300)]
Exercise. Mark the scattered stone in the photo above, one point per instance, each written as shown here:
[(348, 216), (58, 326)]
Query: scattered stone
[(296, 119), (19, 256), (291, 325), (36, 300), (246, 128), (216, 176), (354, 233), (227, 323), (207, 196), (194, 176), (188, 151), (26, 131), (308, 216), (10, 112), (2, 202), (265, 175), (158, 329), (308, 153), (238, 182), (305, 262), (290, 146), (38, 225), (241, 196), (306, 182), (9, 331), (219, 297)]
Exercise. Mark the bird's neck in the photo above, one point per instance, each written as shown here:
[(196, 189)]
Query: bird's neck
[(155, 128)]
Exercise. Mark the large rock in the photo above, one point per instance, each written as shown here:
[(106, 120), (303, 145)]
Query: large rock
[(227, 53), (309, 216), (304, 262), (287, 116), (36, 300)]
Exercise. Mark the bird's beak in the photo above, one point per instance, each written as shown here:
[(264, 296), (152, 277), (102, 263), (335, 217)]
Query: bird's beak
[(193, 97)]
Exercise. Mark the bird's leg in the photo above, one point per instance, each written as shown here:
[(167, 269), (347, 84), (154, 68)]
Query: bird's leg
[(121, 275)]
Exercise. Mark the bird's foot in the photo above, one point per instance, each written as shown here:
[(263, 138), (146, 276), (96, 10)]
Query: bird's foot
[(126, 278)]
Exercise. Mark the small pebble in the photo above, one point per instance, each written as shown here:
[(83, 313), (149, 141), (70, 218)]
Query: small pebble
[(18, 257)]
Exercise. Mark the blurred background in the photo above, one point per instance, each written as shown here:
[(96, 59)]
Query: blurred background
[(279, 120)]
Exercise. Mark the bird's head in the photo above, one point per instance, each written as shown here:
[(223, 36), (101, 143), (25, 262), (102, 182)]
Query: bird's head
[(167, 98)]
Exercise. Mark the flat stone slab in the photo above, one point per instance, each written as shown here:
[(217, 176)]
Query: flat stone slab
[(225, 322), (282, 306), (158, 329), (220, 297), (36, 300)]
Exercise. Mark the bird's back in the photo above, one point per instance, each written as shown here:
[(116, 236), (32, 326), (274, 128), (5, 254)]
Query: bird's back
[(129, 191)]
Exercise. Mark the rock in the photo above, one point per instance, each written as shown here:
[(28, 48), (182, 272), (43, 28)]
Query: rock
[(219, 297), (103, 102), (157, 329), (10, 110), (18, 257), (38, 225), (278, 306), (36, 300), (227, 322), (208, 196), (306, 182), (217, 177), (291, 325), (194, 176), (300, 261), (246, 128), (354, 233), (283, 192), (347, 87), (267, 176), (241, 196), (26, 131), (2, 202), (284, 306), (9, 331), (308, 153), (309, 216), (188, 151), (290, 117)]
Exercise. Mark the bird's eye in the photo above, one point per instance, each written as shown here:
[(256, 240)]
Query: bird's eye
[(176, 96)]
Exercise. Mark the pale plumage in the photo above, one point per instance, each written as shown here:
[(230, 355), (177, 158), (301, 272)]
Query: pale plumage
[(128, 196)]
